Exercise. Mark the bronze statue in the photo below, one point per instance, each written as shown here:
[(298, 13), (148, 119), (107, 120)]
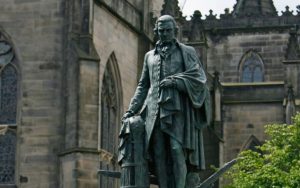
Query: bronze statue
[(173, 100)]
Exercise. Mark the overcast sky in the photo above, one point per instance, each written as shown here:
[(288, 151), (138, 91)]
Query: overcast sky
[(218, 6)]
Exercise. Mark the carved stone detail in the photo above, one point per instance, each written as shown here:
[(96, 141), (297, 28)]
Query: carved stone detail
[(293, 49), (110, 106), (197, 28), (251, 68), (287, 12), (7, 157), (8, 95), (211, 16)]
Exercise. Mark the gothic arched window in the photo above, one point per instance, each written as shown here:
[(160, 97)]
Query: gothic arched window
[(111, 109), (8, 112), (251, 68)]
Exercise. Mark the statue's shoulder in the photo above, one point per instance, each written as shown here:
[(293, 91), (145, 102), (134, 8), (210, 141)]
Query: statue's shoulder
[(189, 53), (149, 53), (187, 49)]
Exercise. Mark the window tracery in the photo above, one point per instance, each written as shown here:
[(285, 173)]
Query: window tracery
[(8, 112), (7, 157), (110, 118), (251, 68)]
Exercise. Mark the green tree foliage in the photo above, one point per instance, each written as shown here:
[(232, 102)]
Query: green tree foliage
[(278, 164)]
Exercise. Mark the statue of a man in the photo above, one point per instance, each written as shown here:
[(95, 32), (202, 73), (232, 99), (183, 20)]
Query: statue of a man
[(173, 97)]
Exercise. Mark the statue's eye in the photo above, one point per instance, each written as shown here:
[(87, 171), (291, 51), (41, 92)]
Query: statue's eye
[(168, 30)]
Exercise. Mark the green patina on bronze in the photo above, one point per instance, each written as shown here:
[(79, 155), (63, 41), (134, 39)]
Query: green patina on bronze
[(173, 100)]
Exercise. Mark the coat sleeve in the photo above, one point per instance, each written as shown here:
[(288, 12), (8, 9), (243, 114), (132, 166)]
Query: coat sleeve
[(141, 91)]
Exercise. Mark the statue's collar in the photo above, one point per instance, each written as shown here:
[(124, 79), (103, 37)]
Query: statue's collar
[(159, 45)]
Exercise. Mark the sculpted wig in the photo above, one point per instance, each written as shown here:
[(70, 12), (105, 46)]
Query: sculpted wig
[(165, 18)]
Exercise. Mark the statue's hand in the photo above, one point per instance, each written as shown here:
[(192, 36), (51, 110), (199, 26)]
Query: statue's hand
[(128, 114), (167, 83)]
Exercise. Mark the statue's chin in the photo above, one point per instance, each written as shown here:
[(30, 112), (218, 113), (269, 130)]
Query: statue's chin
[(166, 41)]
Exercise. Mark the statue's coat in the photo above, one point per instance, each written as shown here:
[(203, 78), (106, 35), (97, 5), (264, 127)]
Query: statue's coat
[(182, 113)]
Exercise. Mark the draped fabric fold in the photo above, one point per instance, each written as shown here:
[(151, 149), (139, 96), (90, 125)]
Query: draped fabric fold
[(182, 111), (184, 114)]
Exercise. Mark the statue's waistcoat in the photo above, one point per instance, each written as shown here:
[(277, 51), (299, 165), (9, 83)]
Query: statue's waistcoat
[(159, 68)]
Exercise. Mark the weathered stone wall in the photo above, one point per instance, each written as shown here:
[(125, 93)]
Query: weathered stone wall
[(211, 151), (156, 7), (80, 170), (117, 38), (137, 4), (121, 42), (226, 52), (36, 29), (125, 10), (79, 161), (240, 121), (88, 104)]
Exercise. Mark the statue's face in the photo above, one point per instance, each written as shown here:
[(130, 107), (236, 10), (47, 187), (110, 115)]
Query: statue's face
[(166, 31)]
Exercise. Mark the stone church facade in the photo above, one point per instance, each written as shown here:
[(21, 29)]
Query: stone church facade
[(69, 68)]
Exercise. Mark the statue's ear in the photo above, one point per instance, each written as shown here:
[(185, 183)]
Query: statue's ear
[(176, 30), (155, 30)]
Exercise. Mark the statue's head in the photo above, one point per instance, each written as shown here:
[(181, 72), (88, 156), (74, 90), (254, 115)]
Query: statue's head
[(166, 28)]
